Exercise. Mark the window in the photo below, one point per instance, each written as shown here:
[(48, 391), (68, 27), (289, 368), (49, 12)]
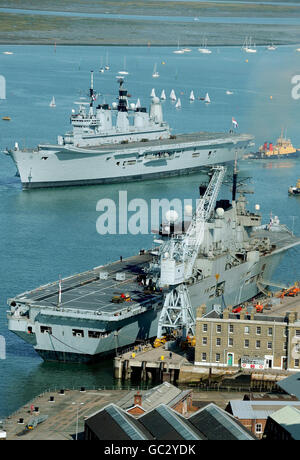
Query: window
[(204, 340), (203, 356), (218, 342), (297, 332), (258, 428), (219, 328), (269, 345), (94, 334), (46, 329), (231, 328), (204, 328), (247, 330), (270, 331), (296, 363), (257, 343), (230, 342), (218, 357), (77, 333), (246, 343), (258, 330), (284, 346)]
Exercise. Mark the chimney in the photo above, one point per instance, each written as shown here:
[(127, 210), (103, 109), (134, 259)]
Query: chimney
[(226, 312), (137, 399), (201, 311)]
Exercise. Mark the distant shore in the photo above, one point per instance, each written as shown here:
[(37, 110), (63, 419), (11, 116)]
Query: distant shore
[(40, 29)]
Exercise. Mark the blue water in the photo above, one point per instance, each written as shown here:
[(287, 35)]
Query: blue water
[(45, 233)]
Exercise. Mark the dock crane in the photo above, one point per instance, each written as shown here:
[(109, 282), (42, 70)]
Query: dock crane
[(178, 256)]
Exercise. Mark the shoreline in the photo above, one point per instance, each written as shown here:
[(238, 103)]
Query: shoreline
[(140, 45)]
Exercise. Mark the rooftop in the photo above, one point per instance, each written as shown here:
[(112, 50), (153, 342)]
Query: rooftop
[(164, 393), (289, 418), (259, 409)]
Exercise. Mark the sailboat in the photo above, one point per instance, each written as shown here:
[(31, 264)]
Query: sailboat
[(52, 103), (153, 93), (178, 104), (138, 104), (155, 73), (163, 95), (248, 47), (204, 49), (178, 51), (123, 72), (271, 47), (173, 95), (192, 96), (229, 92), (107, 65), (207, 99), (101, 68)]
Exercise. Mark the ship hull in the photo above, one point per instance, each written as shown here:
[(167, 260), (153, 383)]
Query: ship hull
[(55, 166), (259, 156), (240, 286)]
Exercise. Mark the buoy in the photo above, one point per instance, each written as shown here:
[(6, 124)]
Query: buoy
[(246, 60)]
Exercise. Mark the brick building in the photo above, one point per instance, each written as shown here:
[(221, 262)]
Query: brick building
[(254, 414), (248, 340)]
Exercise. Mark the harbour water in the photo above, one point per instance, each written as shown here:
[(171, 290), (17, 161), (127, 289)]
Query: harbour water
[(52, 232)]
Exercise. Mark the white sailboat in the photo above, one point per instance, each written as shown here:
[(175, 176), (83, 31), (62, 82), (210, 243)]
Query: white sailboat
[(192, 96), (153, 93), (178, 51), (101, 68), (271, 47), (138, 104), (123, 72), (204, 49), (178, 104), (155, 73), (248, 46), (52, 103), (207, 99), (163, 95), (229, 92), (107, 65), (173, 95)]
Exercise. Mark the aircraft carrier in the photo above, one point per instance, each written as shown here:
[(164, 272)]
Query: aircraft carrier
[(224, 256), (121, 143)]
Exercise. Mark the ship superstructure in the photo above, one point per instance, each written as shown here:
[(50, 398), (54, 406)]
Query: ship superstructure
[(122, 142), (92, 314)]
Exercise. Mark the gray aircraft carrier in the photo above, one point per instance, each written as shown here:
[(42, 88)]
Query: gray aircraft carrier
[(89, 315)]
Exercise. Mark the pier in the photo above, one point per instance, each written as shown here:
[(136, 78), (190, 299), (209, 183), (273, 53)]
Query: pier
[(147, 363)]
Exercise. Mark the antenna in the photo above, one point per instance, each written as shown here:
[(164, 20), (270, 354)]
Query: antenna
[(234, 180)]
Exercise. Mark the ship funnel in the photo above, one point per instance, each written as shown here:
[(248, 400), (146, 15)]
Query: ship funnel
[(156, 110), (271, 147)]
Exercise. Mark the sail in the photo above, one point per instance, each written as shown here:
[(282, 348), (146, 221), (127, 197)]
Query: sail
[(52, 103), (138, 104), (192, 97), (207, 98), (173, 95), (178, 104), (155, 73), (153, 93), (163, 95)]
